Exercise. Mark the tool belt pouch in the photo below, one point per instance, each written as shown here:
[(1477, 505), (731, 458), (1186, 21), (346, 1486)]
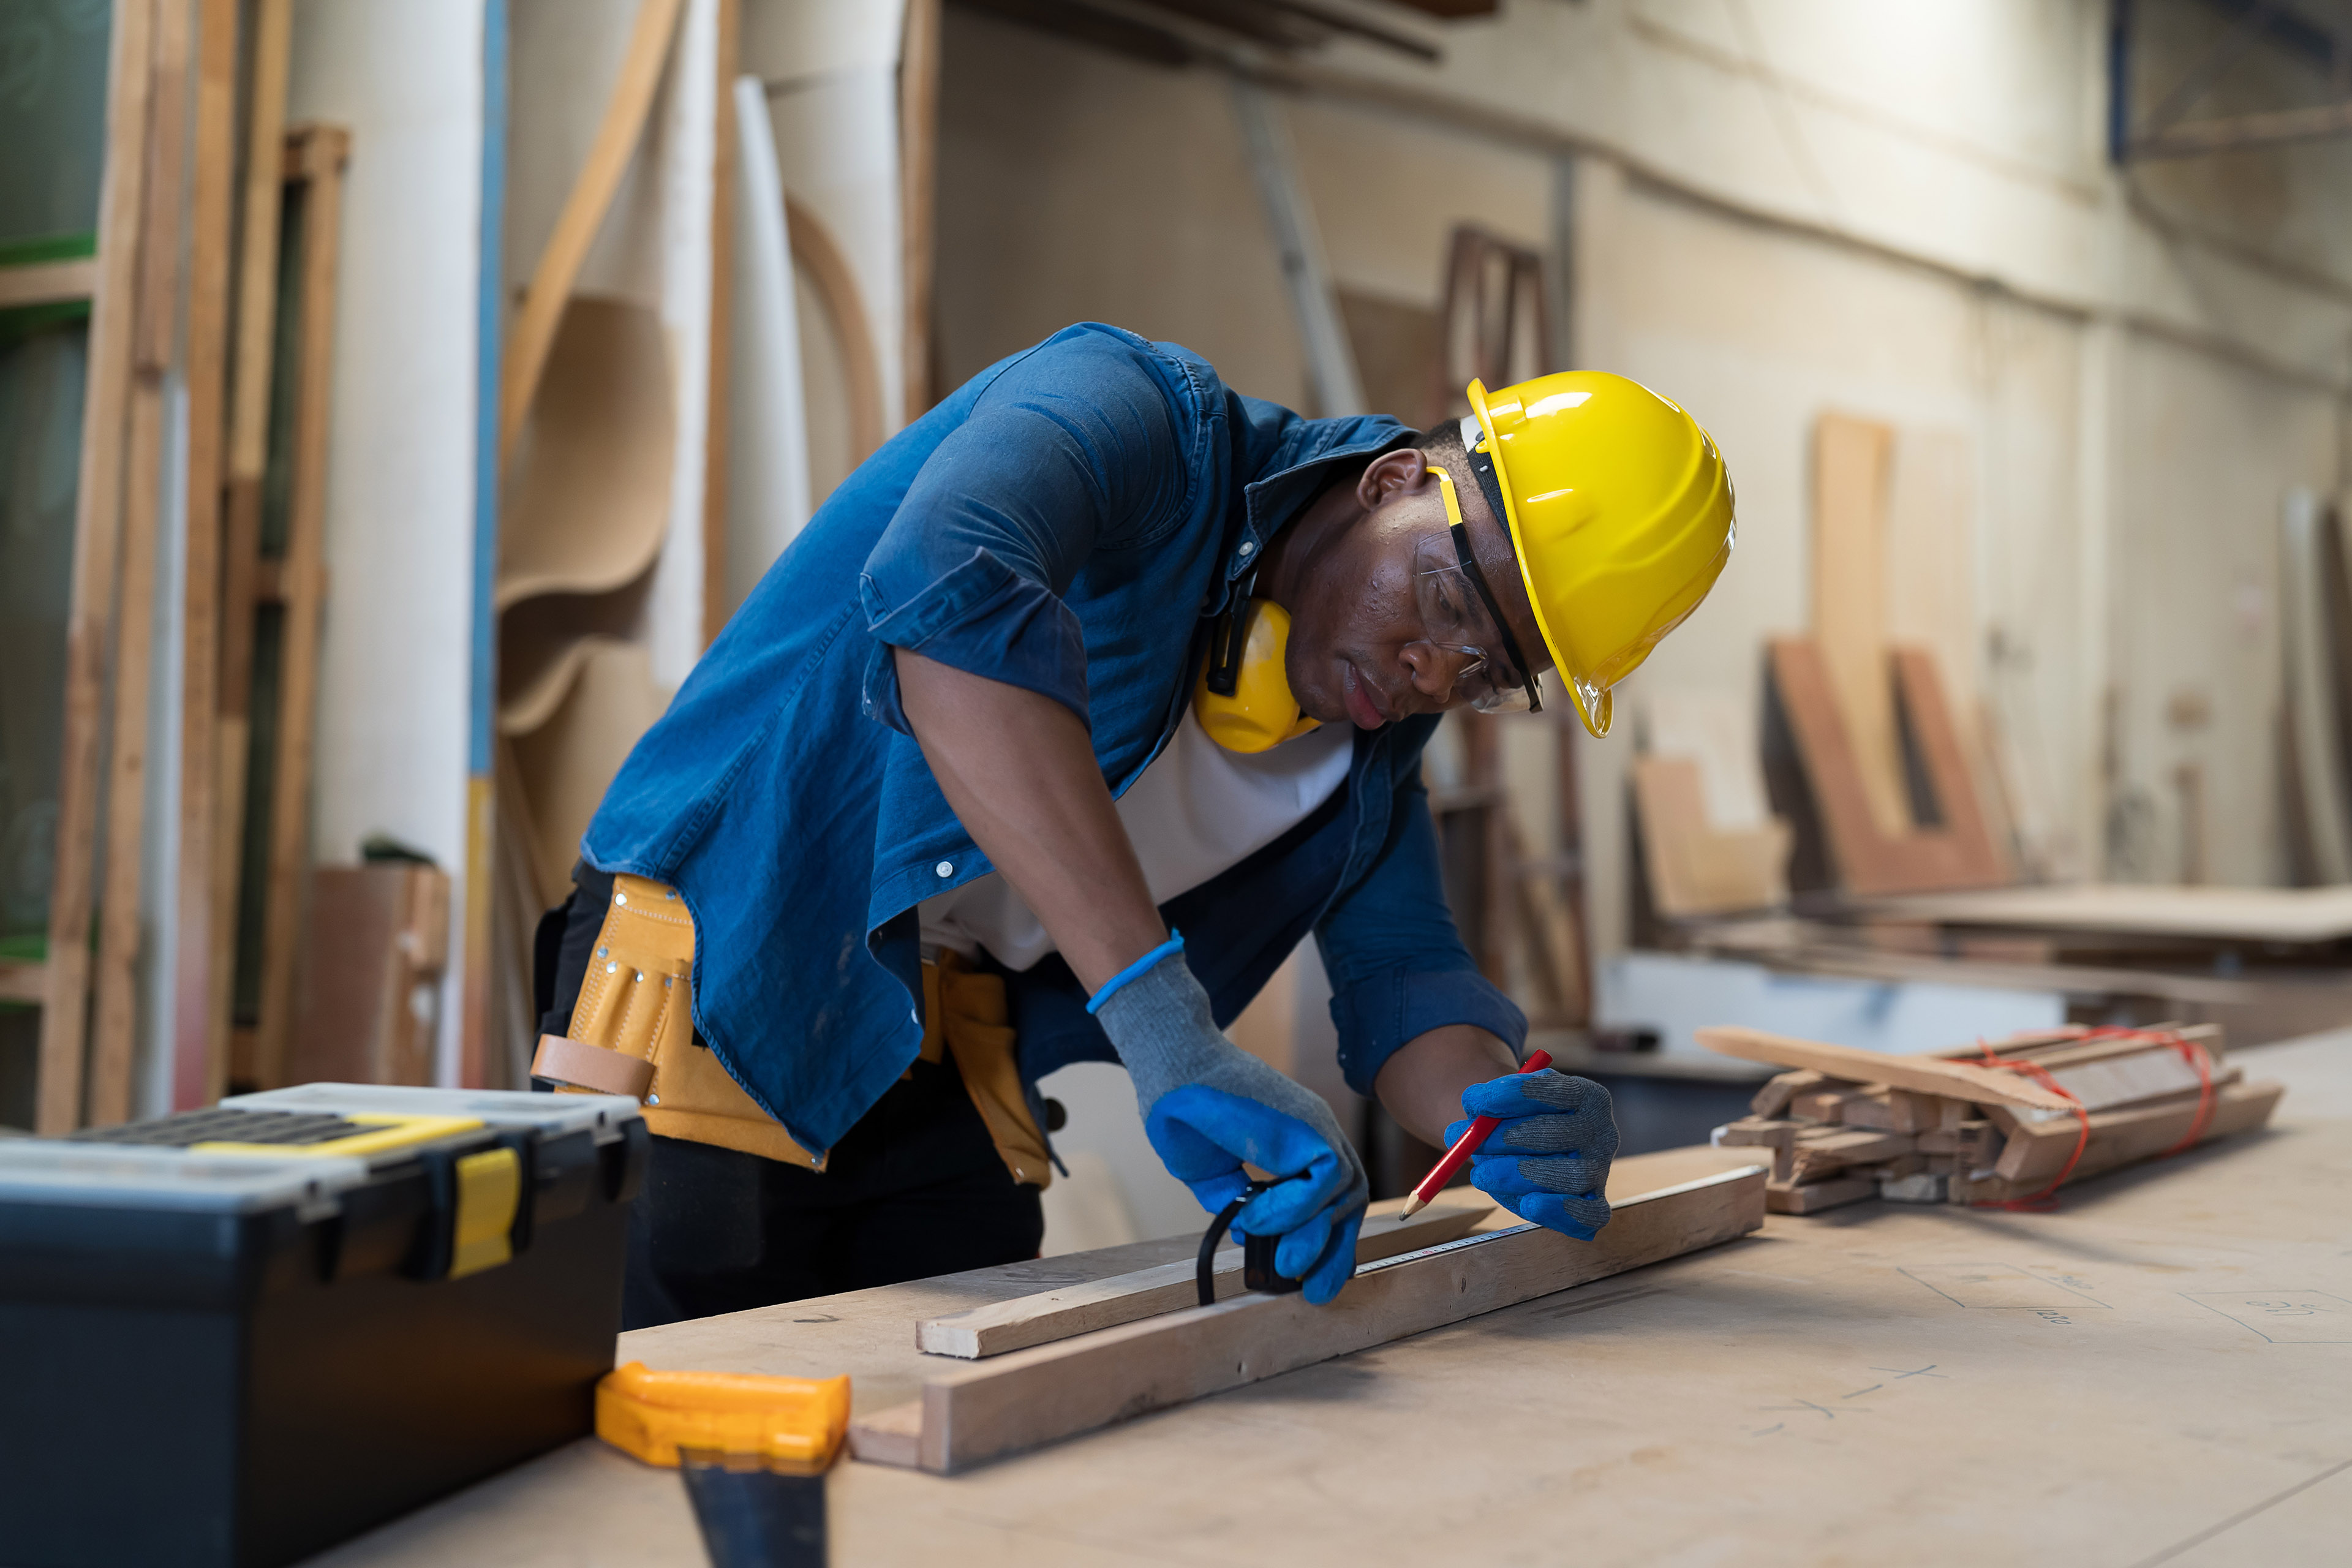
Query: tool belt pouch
[(966, 1013), (631, 1031)]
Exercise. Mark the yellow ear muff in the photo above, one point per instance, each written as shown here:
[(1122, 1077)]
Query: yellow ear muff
[(1258, 713)]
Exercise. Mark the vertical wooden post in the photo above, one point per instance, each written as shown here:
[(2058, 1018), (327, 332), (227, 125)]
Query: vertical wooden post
[(723, 180), (155, 348), (919, 163), (315, 154), (65, 1016), (253, 358), (197, 1050)]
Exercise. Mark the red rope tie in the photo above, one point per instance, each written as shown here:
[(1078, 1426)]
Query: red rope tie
[(2046, 1199), (2191, 1052)]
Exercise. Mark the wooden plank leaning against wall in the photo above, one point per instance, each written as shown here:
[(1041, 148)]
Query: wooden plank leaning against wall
[(89, 614), (160, 309), (314, 159), (253, 358)]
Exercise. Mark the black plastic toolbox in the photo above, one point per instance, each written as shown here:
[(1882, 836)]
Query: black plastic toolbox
[(236, 1337)]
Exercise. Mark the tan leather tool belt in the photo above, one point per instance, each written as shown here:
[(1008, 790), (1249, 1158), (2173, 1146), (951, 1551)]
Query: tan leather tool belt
[(632, 1033)]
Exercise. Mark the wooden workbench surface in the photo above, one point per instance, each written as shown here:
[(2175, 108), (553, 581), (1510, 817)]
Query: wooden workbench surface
[(2156, 1372)]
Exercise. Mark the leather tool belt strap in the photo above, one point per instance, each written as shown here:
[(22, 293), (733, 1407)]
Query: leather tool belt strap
[(631, 1031)]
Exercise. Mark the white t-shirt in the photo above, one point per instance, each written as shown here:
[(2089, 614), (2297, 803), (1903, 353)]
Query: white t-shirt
[(1198, 810)]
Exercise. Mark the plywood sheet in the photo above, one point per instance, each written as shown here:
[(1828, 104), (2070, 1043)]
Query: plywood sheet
[(587, 495)]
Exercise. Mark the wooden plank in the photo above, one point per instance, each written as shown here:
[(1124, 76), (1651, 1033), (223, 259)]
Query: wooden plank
[(534, 333), (725, 153), (252, 366), (1922, 1075), (155, 333), (1695, 869), (1819, 1151), (1781, 1089), (1869, 860), (1812, 1197), (2121, 1138), (1892, 1111), (321, 152), (47, 283), (1852, 467), (1031, 1397), (2218, 914), (198, 1050), (919, 162), (23, 980), (1927, 717), (65, 1016), (1129, 1298)]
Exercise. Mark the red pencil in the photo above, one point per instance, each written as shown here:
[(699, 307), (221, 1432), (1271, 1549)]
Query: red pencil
[(1463, 1147)]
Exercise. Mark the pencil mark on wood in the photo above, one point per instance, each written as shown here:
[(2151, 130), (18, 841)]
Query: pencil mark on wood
[(2283, 1317)]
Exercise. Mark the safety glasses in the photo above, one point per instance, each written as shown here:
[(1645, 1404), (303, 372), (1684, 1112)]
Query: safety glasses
[(1458, 613)]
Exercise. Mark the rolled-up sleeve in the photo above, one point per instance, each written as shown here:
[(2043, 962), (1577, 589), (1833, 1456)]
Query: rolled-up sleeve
[(1074, 447), (1397, 965)]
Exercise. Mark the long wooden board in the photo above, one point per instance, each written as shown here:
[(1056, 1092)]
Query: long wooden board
[(968, 1416), (1075, 1310), (1927, 1075), (2247, 914)]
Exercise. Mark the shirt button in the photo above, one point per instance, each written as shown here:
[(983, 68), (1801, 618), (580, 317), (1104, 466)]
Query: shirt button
[(1247, 547), (945, 868)]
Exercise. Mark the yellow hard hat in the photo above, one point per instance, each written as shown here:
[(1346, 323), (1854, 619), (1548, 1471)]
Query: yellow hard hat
[(1620, 511)]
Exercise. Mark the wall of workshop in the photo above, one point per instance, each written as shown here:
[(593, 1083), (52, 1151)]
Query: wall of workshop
[(395, 657), (2208, 449), (1079, 186), (1904, 213)]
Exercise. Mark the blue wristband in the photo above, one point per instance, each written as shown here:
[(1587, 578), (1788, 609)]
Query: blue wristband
[(1175, 943)]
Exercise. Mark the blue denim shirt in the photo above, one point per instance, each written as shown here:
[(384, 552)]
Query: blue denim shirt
[(1068, 522)]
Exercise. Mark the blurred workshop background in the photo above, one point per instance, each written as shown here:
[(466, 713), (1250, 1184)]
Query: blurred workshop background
[(396, 398)]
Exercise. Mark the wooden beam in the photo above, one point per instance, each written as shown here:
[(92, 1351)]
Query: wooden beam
[(321, 152), (723, 180), (1926, 1075), (533, 334), (47, 283), (198, 1050), (252, 367), (919, 163), (155, 342), (23, 980), (1073, 1309), (64, 1010), (1016, 1401)]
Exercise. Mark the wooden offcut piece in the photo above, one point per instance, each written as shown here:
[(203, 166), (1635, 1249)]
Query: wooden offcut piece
[(376, 934), (1074, 1310), (1694, 868), (1923, 1075), (969, 1416), (1958, 854), (1812, 1197)]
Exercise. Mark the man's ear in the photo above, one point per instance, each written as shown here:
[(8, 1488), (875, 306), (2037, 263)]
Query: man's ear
[(1406, 468)]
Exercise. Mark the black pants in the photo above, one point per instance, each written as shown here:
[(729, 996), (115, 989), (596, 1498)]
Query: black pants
[(916, 1188)]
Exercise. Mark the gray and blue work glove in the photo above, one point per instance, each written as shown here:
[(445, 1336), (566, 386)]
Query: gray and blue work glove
[(1549, 1159), (1208, 1106)]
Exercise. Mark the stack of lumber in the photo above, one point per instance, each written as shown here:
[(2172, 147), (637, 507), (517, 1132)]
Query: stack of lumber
[(1847, 1124)]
